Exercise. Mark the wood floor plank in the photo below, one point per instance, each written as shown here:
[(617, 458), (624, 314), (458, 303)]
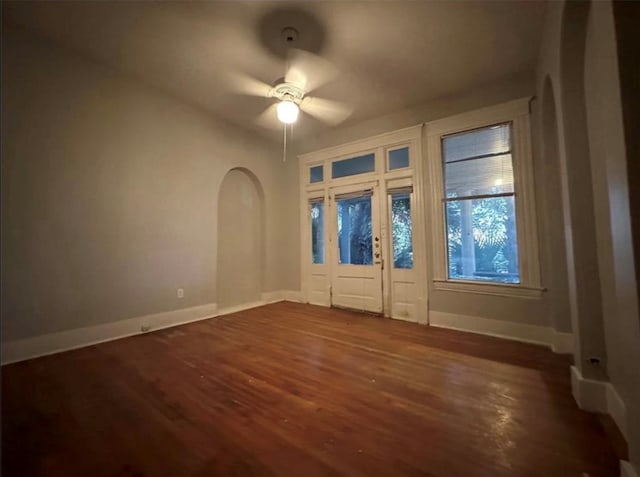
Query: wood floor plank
[(291, 389)]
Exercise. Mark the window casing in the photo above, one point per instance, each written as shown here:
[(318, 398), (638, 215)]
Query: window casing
[(479, 206), (500, 177)]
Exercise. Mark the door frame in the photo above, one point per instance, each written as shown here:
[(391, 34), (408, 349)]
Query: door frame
[(315, 279)]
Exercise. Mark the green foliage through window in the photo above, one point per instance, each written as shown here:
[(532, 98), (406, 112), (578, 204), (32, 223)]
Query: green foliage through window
[(483, 245), (401, 230), (479, 205), (317, 232), (354, 231)]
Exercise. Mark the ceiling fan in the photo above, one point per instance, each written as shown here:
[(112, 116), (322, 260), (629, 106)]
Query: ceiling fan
[(305, 72)]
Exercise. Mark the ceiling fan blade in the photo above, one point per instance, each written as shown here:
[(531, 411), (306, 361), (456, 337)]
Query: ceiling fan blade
[(244, 84), (308, 71), (332, 112), (269, 118)]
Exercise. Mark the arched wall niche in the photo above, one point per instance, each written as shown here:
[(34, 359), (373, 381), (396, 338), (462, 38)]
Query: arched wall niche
[(240, 266)]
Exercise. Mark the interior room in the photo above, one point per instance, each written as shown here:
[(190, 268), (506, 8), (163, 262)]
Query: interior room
[(320, 238)]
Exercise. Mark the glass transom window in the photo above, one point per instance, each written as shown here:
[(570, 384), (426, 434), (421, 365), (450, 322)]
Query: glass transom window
[(399, 158), (316, 174), (353, 166)]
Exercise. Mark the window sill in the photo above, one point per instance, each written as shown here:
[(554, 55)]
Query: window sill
[(496, 289)]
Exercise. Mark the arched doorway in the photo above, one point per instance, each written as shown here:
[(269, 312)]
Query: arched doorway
[(582, 248)]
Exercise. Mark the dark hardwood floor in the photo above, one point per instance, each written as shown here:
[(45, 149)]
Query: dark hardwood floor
[(298, 390)]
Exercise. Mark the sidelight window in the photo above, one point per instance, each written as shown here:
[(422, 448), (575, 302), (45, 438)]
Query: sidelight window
[(401, 229), (317, 231)]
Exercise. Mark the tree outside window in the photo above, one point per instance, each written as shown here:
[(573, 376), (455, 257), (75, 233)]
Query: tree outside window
[(479, 205)]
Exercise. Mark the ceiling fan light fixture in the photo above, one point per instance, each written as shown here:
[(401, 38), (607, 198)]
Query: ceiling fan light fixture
[(288, 111)]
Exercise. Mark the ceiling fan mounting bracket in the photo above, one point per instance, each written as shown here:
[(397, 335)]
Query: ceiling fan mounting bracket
[(289, 35), (288, 91)]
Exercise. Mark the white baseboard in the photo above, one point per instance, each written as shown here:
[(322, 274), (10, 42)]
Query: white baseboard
[(599, 396), (280, 295), (245, 306), (617, 409), (627, 470), (272, 297), (19, 350), (292, 295), (486, 326), (590, 394)]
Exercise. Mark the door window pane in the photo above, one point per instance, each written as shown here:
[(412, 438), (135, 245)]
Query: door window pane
[(354, 231), (317, 232), (316, 174), (401, 230), (399, 158), (353, 166), (482, 239)]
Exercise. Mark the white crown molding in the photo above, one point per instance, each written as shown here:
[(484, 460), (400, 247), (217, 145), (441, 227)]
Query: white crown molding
[(480, 117)]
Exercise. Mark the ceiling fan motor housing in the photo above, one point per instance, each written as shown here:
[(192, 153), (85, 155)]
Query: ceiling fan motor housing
[(287, 91)]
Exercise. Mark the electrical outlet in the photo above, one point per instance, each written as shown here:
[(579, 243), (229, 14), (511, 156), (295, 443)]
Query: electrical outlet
[(180, 292)]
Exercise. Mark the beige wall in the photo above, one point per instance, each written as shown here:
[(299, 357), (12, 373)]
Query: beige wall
[(619, 330), (551, 233), (109, 194), (615, 246)]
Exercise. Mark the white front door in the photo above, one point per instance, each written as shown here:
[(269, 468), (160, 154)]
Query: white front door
[(355, 248)]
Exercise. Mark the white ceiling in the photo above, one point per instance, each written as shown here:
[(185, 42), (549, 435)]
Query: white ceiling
[(389, 54)]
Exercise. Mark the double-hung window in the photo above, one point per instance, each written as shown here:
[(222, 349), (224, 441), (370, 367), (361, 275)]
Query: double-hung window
[(483, 202), (480, 210)]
